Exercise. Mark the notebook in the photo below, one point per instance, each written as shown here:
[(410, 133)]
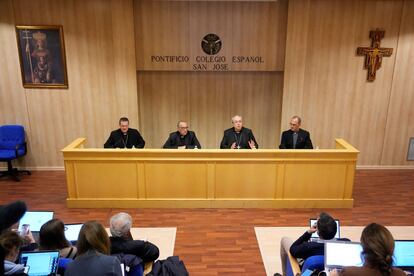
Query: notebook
[(39, 263), (340, 254), (72, 231), (315, 235), (404, 254), (35, 219)]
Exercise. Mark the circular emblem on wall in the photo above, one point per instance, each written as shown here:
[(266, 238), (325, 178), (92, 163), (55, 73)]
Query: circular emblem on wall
[(211, 44)]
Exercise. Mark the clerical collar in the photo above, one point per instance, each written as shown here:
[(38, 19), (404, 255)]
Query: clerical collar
[(238, 131)]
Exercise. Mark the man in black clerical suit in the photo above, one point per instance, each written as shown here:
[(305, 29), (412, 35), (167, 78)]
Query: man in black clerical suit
[(295, 137), (125, 137), (182, 138), (238, 137)]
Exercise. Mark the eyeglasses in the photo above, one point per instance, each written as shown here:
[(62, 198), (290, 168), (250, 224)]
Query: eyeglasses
[(183, 127)]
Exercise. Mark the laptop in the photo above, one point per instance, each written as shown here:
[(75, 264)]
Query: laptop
[(404, 254), (315, 235), (35, 219), (72, 231), (40, 263), (341, 254)]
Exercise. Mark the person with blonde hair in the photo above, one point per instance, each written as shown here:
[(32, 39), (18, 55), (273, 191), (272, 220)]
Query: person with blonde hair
[(93, 250)]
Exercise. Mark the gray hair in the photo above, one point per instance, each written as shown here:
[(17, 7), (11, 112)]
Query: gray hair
[(178, 123), (297, 117), (232, 118), (120, 224)]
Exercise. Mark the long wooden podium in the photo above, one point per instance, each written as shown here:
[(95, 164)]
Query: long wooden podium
[(209, 178)]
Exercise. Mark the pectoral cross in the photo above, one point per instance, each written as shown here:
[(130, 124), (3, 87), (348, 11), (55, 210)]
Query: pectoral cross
[(373, 55)]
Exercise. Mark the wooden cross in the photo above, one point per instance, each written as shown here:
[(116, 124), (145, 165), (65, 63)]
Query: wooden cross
[(373, 55)]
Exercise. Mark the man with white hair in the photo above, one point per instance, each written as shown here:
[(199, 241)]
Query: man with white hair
[(122, 241), (238, 137)]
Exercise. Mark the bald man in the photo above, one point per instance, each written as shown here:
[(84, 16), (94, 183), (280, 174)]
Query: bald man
[(182, 138), (295, 137)]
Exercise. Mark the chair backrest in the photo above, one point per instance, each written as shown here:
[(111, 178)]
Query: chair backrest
[(137, 270), (63, 264), (10, 136), (133, 265), (314, 262)]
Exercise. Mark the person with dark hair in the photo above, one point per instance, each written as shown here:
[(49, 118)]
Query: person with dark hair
[(10, 242), (304, 247), (52, 237), (182, 138), (93, 250), (377, 251), (9, 215), (125, 137), (295, 137)]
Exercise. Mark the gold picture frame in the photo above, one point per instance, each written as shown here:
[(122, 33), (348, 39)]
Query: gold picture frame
[(42, 56)]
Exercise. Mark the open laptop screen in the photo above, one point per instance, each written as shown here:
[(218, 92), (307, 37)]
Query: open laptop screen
[(40, 262), (72, 231), (313, 221), (340, 254), (35, 219), (404, 254)]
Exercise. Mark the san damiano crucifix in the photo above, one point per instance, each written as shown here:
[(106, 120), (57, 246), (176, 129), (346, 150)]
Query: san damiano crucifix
[(373, 55)]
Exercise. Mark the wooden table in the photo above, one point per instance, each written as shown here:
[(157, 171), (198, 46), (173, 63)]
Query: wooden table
[(209, 178)]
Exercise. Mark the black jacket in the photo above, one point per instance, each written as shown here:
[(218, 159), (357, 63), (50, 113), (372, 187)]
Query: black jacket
[(230, 137), (303, 141), (175, 140), (304, 248), (147, 251), (172, 266), (118, 140)]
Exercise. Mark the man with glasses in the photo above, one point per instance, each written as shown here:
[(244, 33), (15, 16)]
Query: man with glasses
[(295, 137), (182, 138)]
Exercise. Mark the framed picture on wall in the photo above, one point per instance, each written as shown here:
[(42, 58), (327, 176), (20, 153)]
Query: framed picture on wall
[(42, 56)]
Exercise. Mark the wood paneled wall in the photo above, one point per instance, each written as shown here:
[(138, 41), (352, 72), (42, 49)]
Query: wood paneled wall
[(326, 84), (208, 101), (323, 80), (176, 28), (400, 119), (100, 55)]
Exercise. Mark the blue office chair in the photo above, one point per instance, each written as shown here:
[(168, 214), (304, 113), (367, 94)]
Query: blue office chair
[(12, 146), (312, 263)]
